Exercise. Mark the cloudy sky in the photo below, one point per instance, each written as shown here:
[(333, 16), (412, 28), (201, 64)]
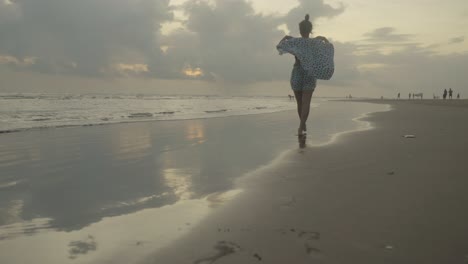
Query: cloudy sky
[(228, 46)]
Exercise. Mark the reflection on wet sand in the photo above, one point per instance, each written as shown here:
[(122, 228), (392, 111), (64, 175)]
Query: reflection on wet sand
[(302, 141), (119, 240), (11, 212), (76, 181), (178, 173), (180, 181), (133, 187), (219, 198), (195, 131), (19, 155), (130, 143)]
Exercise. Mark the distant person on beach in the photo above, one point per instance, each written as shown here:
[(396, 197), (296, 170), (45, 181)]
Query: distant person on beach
[(303, 83), (458, 96), (450, 93), (444, 95), (409, 96), (398, 96)]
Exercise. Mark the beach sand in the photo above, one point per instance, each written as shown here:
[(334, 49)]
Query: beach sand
[(371, 197)]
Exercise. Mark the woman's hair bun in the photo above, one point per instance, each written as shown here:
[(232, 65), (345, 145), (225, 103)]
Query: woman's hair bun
[(307, 17)]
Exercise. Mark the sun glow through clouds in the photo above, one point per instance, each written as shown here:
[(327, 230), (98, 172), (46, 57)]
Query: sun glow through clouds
[(192, 72)]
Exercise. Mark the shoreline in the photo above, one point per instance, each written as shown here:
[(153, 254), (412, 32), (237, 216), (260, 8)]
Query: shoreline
[(366, 125)]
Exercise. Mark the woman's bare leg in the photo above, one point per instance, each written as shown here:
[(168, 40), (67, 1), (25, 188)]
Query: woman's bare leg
[(298, 96), (305, 108)]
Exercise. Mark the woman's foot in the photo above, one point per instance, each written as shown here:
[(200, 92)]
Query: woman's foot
[(300, 132)]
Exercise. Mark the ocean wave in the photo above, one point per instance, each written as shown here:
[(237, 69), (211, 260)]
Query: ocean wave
[(41, 119), (57, 111), (140, 115), (215, 111)]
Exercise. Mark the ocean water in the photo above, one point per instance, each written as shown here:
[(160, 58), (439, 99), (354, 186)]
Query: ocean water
[(26, 111)]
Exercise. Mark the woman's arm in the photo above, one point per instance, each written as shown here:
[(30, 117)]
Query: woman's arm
[(285, 44), (286, 37), (322, 38)]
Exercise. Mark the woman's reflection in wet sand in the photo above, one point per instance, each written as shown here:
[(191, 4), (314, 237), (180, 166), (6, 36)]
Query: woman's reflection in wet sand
[(302, 141)]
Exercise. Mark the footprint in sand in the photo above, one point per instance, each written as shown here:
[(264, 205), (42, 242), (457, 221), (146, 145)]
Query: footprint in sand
[(309, 235), (224, 248), (257, 256), (312, 250), (286, 202)]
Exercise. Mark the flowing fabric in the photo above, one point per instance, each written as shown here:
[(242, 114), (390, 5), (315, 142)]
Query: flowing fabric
[(315, 55)]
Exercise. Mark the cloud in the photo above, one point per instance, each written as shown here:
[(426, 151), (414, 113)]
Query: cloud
[(346, 64), (229, 41), (457, 40), (315, 9), (221, 40), (192, 72), (125, 69), (386, 34), (10, 60), (406, 67), (415, 69), (464, 14), (91, 34)]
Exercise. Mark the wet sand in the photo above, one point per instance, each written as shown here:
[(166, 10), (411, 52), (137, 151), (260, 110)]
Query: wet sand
[(373, 196), (117, 193)]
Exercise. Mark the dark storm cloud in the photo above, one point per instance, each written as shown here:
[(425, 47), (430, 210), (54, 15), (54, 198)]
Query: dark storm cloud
[(227, 41), (87, 33)]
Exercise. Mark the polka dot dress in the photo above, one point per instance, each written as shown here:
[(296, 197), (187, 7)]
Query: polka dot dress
[(302, 80), (314, 54)]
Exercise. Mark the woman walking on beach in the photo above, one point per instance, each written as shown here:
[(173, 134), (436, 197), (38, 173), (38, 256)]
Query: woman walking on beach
[(308, 58)]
